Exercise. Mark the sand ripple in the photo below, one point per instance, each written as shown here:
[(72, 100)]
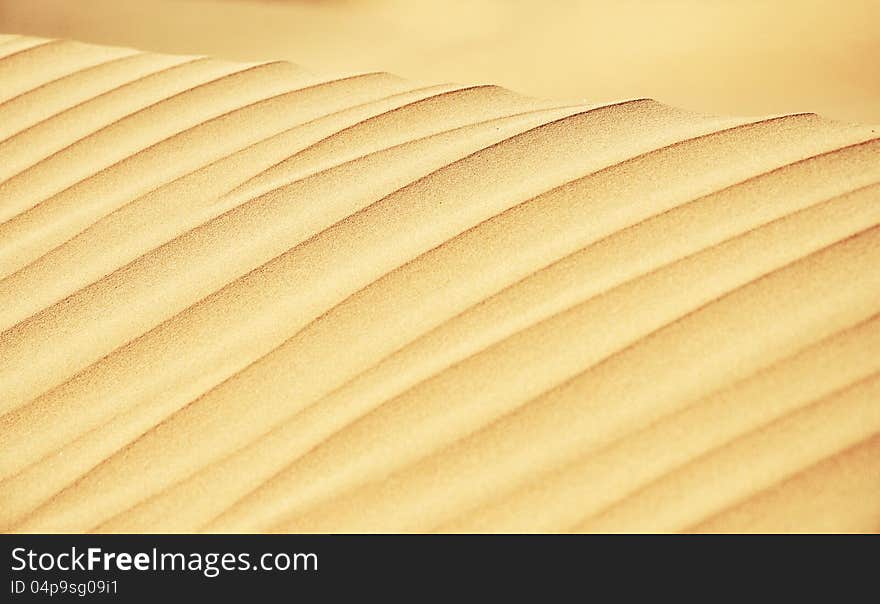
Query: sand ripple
[(245, 297)]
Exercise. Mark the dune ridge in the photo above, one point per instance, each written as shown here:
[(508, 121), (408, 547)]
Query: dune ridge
[(246, 297)]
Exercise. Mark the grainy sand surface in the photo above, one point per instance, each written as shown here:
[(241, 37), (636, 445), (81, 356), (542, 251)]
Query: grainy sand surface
[(729, 57), (249, 297)]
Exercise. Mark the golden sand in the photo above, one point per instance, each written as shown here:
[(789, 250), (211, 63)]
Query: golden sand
[(246, 297), (734, 57)]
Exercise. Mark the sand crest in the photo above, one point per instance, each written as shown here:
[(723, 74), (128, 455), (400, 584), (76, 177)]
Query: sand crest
[(249, 297)]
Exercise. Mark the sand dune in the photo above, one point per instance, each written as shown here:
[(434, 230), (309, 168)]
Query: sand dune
[(246, 297), (743, 57)]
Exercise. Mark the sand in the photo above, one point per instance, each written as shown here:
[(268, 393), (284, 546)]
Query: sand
[(730, 57), (252, 297)]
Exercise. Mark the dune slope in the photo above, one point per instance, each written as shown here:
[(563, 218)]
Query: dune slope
[(246, 297)]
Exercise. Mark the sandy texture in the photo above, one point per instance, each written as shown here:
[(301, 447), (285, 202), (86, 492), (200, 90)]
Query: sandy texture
[(245, 297), (730, 57)]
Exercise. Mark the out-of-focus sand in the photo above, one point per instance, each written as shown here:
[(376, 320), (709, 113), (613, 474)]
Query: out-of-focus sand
[(733, 57), (246, 297)]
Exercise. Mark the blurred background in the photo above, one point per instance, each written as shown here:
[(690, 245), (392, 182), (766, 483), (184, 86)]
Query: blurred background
[(743, 57)]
